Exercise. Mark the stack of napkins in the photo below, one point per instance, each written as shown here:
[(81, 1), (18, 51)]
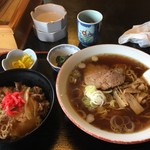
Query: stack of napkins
[(139, 34)]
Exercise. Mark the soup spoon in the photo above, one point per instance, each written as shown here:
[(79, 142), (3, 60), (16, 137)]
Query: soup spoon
[(146, 76)]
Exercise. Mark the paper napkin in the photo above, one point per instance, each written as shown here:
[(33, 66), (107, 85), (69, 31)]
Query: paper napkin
[(139, 34)]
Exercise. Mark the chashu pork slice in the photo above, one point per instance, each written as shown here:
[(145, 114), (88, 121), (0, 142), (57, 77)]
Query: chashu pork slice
[(103, 77)]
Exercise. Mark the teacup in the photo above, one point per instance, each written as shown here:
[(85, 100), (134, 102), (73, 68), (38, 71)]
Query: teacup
[(88, 23)]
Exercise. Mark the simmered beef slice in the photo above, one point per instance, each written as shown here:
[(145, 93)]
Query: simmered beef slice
[(103, 77)]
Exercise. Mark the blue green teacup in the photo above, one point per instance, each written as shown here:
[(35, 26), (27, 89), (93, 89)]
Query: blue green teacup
[(89, 22)]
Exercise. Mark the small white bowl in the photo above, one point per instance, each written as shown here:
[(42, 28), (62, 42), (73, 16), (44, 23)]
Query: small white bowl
[(49, 17), (15, 55), (60, 50), (50, 37)]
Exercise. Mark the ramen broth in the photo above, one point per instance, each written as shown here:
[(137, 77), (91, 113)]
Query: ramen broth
[(109, 115)]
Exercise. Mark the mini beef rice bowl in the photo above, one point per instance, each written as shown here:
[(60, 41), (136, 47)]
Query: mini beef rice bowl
[(21, 110), (26, 99)]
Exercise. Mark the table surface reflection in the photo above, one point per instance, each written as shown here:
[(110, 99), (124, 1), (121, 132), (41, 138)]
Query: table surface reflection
[(59, 133)]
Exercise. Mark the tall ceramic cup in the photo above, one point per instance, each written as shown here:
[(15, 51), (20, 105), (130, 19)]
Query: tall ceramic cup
[(88, 24)]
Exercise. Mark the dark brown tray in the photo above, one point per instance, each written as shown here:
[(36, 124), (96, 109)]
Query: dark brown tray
[(58, 132)]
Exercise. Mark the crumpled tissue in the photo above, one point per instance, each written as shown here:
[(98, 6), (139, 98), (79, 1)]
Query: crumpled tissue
[(139, 34)]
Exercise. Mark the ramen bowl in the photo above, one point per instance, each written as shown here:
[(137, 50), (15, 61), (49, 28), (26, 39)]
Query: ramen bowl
[(59, 54), (27, 78), (65, 101), (49, 17)]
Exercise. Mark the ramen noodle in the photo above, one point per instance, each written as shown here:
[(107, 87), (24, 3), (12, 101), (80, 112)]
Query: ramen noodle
[(22, 109), (109, 92)]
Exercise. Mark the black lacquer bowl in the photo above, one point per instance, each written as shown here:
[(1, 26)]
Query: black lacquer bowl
[(30, 78)]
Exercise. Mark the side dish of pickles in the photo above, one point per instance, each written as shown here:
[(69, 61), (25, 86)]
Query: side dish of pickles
[(59, 54), (24, 62), (19, 59)]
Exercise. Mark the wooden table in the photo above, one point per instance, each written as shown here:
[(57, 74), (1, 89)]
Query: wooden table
[(58, 132)]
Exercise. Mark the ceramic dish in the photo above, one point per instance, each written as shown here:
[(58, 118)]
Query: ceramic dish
[(17, 54), (51, 37), (61, 90), (60, 50), (49, 17)]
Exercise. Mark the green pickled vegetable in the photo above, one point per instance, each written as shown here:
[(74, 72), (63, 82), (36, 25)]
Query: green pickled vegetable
[(61, 59)]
